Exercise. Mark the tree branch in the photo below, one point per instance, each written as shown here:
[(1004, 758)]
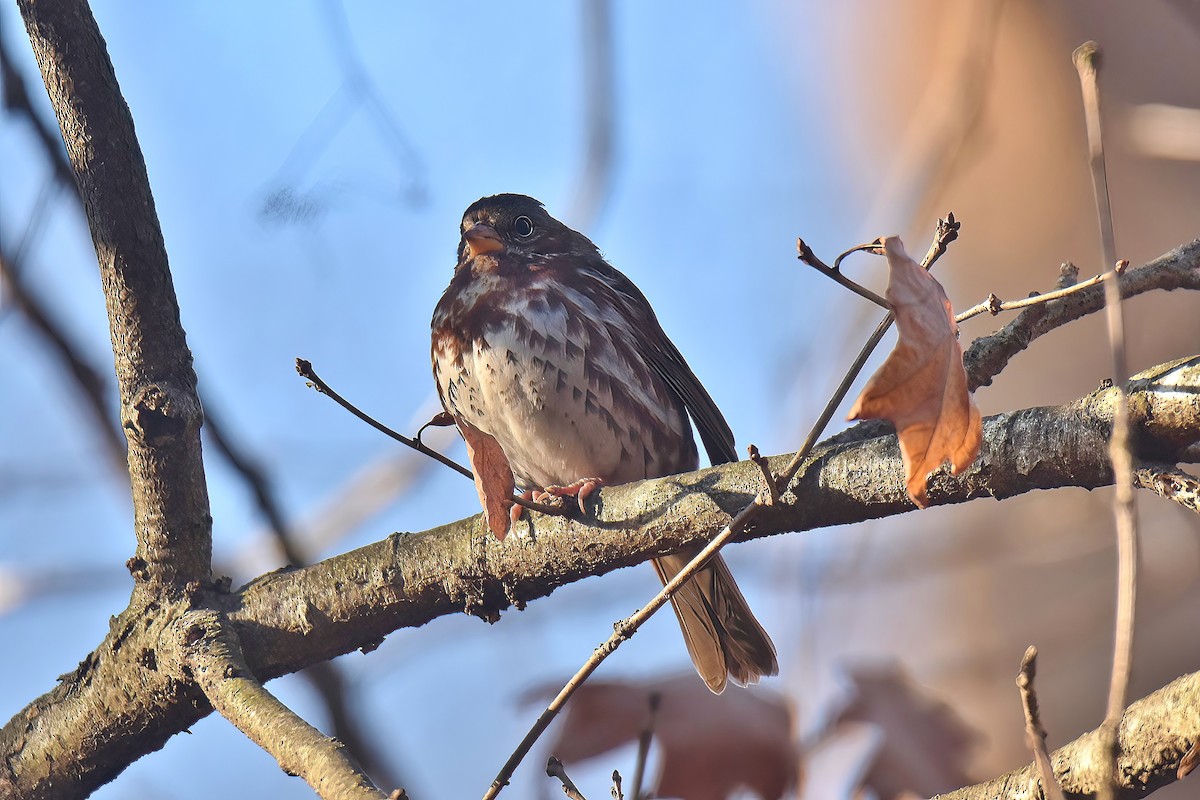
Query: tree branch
[(288, 620), (1154, 735), (215, 658), (160, 410), (355, 599), (989, 355)]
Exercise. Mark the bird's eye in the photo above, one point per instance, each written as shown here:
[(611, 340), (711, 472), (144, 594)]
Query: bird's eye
[(523, 227)]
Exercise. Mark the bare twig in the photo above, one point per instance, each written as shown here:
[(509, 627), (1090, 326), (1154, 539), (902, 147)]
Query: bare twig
[(306, 371), (805, 254), (947, 230), (1170, 482), (214, 655), (993, 305), (639, 768), (1035, 734), (768, 478), (555, 769), (989, 355), (1087, 62)]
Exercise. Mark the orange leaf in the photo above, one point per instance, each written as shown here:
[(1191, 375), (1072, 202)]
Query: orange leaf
[(493, 477), (711, 745), (922, 387)]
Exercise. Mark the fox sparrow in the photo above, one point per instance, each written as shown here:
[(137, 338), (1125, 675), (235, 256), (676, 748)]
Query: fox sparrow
[(561, 379)]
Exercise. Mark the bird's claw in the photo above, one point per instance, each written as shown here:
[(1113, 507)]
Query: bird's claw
[(580, 490)]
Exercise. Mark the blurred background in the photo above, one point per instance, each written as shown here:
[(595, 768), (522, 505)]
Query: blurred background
[(310, 164)]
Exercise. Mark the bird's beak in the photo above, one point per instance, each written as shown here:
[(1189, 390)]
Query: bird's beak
[(482, 239)]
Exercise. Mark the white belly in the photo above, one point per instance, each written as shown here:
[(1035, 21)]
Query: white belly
[(558, 412)]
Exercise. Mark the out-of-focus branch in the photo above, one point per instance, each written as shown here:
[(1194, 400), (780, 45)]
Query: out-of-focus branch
[(599, 121), (1087, 62), (1155, 733), (92, 387), (16, 101)]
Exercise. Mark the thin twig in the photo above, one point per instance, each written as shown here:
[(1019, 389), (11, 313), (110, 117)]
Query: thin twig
[(305, 369), (1035, 734), (214, 655), (768, 479), (805, 254), (989, 355), (1087, 62), (555, 769), (993, 305), (947, 231), (1170, 482), (639, 768)]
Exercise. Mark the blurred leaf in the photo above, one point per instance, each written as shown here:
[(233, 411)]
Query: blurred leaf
[(925, 743), (711, 745), (922, 387)]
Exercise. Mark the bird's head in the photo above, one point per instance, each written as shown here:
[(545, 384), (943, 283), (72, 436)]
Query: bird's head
[(497, 228)]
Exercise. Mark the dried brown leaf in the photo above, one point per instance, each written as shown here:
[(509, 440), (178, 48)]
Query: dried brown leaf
[(925, 746), (922, 387), (710, 744), (493, 477)]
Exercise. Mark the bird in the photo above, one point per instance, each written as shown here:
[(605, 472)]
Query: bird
[(560, 378)]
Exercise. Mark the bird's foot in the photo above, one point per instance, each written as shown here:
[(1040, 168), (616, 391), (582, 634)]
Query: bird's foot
[(580, 490)]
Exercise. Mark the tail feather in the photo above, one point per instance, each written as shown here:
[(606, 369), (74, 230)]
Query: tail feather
[(722, 636)]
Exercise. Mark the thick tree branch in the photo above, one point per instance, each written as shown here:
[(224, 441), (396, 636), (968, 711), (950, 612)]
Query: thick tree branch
[(1154, 735), (355, 599), (288, 620), (160, 411)]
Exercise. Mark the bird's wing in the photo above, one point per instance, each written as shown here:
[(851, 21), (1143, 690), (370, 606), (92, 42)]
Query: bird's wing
[(662, 354)]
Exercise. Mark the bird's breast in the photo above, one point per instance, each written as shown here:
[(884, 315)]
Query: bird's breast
[(559, 382)]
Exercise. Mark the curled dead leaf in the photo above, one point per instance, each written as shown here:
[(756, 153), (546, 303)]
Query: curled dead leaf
[(922, 387)]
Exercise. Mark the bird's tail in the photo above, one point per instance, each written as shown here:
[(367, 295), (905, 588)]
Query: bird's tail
[(722, 635)]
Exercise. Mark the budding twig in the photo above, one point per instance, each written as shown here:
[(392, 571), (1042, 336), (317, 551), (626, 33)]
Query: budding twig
[(805, 254), (1035, 734), (555, 769)]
